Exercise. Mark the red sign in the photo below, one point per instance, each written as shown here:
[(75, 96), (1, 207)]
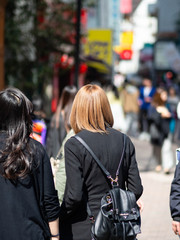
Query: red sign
[(126, 6), (126, 54)]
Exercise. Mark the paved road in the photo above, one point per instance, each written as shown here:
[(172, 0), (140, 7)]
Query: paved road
[(156, 220)]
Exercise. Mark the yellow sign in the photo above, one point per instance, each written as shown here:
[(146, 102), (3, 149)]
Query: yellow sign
[(126, 42), (126, 38), (99, 45)]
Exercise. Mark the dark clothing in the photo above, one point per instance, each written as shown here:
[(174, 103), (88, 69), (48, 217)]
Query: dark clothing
[(143, 122), (85, 180), (20, 216), (175, 195), (55, 137), (159, 126), (144, 106)]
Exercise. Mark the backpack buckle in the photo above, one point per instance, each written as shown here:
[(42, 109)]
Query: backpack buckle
[(92, 219), (114, 182)]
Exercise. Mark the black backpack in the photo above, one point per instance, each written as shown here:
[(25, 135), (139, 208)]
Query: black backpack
[(119, 215)]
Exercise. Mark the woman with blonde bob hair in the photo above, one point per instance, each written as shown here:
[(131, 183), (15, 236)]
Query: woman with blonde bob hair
[(91, 110), (91, 119)]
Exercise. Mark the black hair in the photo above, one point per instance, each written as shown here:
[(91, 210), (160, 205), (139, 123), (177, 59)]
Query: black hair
[(15, 120)]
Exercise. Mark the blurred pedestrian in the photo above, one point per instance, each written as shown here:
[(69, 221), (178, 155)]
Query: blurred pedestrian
[(147, 92), (39, 130), (178, 123), (58, 129), (58, 164), (172, 102), (159, 118), (91, 119), (116, 107), (129, 98), (59, 170), (29, 204)]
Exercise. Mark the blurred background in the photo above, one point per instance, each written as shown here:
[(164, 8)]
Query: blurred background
[(48, 44)]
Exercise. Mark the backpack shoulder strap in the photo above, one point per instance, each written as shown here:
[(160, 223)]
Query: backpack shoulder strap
[(98, 161), (122, 155), (91, 217), (93, 155)]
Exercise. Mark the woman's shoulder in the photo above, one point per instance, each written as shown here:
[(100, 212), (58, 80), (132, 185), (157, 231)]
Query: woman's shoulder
[(121, 137), (117, 133), (94, 137), (37, 147)]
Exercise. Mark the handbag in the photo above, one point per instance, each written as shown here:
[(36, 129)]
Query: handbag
[(119, 215), (154, 132), (55, 164)]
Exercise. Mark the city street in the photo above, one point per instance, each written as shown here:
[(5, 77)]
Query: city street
[(58, 62), (156, 220)]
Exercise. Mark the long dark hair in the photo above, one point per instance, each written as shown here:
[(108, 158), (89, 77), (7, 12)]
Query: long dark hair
[(65, 103), (15, 120)]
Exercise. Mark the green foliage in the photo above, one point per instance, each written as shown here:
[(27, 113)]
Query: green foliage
[(36, 35)]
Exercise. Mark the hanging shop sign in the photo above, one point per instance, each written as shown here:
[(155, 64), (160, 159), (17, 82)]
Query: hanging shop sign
[(98, 49)]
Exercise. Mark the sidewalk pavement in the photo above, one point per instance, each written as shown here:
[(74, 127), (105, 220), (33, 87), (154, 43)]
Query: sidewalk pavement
[(156, 219)]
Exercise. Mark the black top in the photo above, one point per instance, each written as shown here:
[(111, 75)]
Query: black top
[(175, 195), (85, 180), (55, 136), (20, 216), (160, 126)]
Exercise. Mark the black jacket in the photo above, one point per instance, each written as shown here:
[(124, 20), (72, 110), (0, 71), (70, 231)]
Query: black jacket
[(159, 126), (175, 195), (86, 182), (55, 136), (21, 217)]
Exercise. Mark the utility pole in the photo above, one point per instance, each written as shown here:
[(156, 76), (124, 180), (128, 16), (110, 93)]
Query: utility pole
[(2, 23), (77, 48)]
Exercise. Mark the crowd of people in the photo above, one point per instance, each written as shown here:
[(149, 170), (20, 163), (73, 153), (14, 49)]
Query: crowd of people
[(146, 112), (48, 177), (150, 113)]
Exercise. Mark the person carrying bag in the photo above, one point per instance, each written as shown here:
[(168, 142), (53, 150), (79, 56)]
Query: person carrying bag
[(91, 120), (119, 214)]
